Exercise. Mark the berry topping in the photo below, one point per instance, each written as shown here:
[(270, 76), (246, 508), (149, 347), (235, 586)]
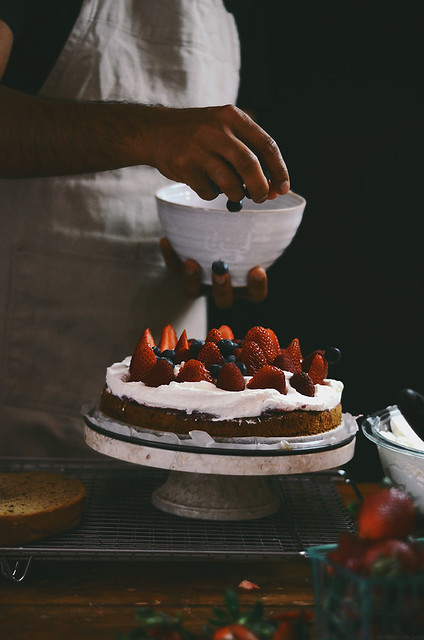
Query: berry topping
[(214, 335), (193, 371), (227, 347), (214, 370), (226, 332), (317, 369), (182, 351), (302, 382), (220, 267), (169, 354), (148, 337), (252, 356), (274, 339), (210, 354), (261, 336), (333, 355), (168, 338), (161, 373), (269, 377), (195, 346), (284, 362), (142, 360), (230, 378), (234, 206), (295, 353)]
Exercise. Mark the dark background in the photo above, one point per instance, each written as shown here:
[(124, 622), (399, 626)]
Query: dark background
[(339, 86)]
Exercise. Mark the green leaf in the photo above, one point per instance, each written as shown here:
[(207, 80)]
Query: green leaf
[(232, 604)]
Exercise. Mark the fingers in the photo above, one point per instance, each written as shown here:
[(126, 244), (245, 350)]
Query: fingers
[(257, 287), (222, 291), (191, 275), (172, 261)]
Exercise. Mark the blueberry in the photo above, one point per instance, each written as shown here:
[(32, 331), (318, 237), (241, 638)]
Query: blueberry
[(230, 358), (169, 354), (332, 355), (214, 370), (156, 350), (220, 267), (246, 192), (195, 347), (234, 206), (242, 367), (167, 359), (226, 347)]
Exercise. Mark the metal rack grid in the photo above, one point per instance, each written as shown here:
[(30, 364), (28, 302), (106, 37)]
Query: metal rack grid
[(120, 523)]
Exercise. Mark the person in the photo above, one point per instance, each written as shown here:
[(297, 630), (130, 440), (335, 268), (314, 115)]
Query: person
[(101, 103)]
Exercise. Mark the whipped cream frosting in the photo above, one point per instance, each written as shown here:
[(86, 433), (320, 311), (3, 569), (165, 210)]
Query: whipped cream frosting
[(206, 397)]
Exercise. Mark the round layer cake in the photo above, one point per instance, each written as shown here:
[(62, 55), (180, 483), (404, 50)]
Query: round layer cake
[(229, 388)]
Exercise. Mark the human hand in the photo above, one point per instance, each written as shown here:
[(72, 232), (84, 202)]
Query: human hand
[(221, 290), (216, 149)]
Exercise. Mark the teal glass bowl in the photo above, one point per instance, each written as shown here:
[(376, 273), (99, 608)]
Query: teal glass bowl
[(350, 606)]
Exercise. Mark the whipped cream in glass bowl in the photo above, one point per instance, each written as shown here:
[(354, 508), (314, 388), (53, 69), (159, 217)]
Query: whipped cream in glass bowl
[(400, 449)]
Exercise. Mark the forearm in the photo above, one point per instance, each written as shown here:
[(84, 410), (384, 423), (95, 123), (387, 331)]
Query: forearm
[(43, 137)]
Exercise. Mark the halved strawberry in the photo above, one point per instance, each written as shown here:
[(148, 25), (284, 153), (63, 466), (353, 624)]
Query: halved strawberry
[(147, 336), (252, 356), (193, 371), (295, 353), (226, 332), (161, 373), (284, 362), (261, 336), (302, 382), (230, 378), (142, 360), (182, 350), (317, 369), (168, 338), (214, 335), (269, 377), (210, 354)]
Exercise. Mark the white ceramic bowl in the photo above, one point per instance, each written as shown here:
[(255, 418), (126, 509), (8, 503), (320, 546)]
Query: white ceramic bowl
[(404, 465), (206, 231)]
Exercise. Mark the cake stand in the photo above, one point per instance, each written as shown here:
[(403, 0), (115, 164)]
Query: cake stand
[(219, 481)]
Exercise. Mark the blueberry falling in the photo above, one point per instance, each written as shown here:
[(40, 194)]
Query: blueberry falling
[(411, 405)]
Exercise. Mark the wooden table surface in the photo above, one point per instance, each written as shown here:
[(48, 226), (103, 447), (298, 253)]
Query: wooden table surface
[(86, 600)]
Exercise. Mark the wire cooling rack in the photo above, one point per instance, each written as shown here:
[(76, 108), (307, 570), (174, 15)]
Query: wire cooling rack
[(120, 523)]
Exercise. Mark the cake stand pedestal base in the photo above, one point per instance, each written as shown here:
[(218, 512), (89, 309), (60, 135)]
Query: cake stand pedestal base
[(216, 497)]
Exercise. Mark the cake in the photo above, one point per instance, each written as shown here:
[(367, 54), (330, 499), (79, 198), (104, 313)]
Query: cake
[(36, 504), (228, 387)]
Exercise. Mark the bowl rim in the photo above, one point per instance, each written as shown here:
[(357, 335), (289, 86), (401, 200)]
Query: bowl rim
[(159, 195), (369, 429)]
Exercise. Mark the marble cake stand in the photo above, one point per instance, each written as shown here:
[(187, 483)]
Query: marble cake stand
[(217, 484)]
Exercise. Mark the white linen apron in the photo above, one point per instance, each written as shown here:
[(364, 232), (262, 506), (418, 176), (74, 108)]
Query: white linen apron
[(80, 269)]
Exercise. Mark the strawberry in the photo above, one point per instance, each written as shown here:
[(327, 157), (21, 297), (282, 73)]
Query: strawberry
[(295, 353), (386, 513), (210, 354), (317, 369), (274, 339), (350, 552), (226, 332), (284, 362), (214, 335), (182, 349), (302, 382), (269, 377), (252, 356), (193, 371), (234, 631), (142, 360), (390, 556), (147, 336), (168, 338), (230, 378), (261, 336), (161, 373), (307, 362)]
